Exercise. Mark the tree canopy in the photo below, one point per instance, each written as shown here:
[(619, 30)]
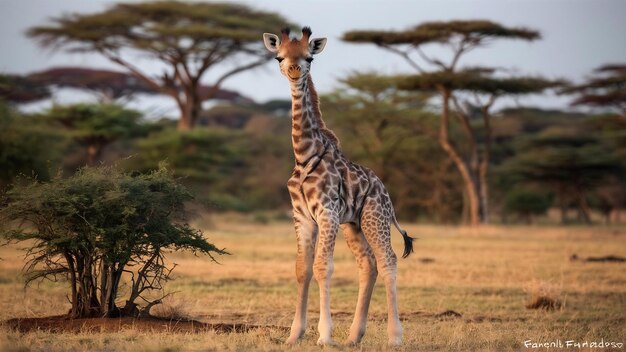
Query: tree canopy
[(21, 89), (472, 31), (462, 35), (188, 38), (111, 86), (94, 126), (606, 88), (571, 163), (478, 80), (27, 146)]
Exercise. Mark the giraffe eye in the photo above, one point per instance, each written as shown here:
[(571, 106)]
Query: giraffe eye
[(309, 59), (280, 59)]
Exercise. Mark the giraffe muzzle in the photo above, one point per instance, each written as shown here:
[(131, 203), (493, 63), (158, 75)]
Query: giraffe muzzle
[(294, 71)]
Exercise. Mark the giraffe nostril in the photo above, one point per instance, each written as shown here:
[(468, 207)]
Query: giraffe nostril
[(294, 68)]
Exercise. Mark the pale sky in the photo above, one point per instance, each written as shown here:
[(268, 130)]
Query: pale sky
[(578, 35)]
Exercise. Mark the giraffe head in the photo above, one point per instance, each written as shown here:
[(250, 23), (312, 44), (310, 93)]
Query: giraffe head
[(294, 55)]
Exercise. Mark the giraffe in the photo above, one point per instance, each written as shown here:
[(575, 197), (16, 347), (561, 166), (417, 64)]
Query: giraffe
[(329, 192)]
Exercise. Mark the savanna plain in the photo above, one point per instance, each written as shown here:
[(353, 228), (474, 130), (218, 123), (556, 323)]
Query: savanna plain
[(462, 289)]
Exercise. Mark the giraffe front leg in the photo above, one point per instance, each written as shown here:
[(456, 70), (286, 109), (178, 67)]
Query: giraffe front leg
[(306, 233), (323, 270)]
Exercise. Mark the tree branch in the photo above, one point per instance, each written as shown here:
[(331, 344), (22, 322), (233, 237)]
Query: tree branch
[(430, 60), (457, 54), (467, 129), (404, 55), (225, 76), (134, 70)]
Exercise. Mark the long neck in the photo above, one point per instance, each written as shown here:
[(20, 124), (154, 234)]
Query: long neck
[(306, 121)]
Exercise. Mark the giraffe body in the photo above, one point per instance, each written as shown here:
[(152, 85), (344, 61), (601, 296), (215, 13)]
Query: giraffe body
[(329, 192)]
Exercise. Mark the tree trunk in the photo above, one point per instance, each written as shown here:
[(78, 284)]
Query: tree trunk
[(484, 167), (562, 204), (108, 291), (563, 214), (94, 151), (585, 211), (461, 165), (74, 312), (529, 218), (484, 192), (190, 110), (104, 286)]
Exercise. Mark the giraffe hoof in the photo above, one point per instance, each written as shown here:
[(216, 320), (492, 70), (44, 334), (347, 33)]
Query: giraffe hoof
[(326, 342), (396, 342), (351, 343), (292, 340)]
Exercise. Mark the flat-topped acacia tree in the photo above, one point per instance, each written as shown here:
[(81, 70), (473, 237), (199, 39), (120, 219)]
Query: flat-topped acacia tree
[(16, 89), (606, 88), (452, 84), (485, 88), (112, 86), (187, 38)]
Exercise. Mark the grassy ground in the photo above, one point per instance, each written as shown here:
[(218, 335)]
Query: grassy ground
[(487, 275)]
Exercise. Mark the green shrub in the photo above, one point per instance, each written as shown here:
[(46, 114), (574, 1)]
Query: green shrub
[(100, 227), (527, 203)]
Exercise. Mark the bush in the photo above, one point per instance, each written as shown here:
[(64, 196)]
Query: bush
[(95, 126), (26, 147), (99, 227), (229, 170), (527, 203)]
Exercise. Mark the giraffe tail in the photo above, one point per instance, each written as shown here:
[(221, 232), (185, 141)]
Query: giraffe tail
[(408, 240)]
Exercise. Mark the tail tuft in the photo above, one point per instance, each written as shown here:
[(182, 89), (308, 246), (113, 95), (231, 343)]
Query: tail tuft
[(408, 244)]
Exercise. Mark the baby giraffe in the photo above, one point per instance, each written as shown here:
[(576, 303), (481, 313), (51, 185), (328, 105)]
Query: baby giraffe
[(329, 191)]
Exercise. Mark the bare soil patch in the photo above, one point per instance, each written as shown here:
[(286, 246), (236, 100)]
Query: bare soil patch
[(61, 324)]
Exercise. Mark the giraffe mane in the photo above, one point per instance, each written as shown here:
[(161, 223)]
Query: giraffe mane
[(317, 114)]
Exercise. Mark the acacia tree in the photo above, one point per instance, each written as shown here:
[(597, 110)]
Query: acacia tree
[(94, 126), (187, 38), (482, 89), (448, 80), (606, 88), (112, 86), (100, 228), (21, 89), (526, 203), (572, 165), (27, 146)]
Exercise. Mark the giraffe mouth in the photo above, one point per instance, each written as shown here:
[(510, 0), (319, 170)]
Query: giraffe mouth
[(293, 78)]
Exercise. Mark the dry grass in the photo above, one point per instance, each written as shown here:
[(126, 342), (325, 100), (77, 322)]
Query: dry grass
[(487, 275)]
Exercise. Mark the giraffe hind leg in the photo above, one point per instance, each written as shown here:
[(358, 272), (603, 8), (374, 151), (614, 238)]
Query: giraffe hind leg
[(367, 278), (375, 223)]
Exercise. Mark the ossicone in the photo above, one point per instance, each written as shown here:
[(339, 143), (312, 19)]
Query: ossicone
[(285, 33), (306, 33)]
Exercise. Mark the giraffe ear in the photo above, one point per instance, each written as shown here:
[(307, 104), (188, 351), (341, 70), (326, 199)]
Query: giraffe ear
[(271, 42), (316, 45)]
